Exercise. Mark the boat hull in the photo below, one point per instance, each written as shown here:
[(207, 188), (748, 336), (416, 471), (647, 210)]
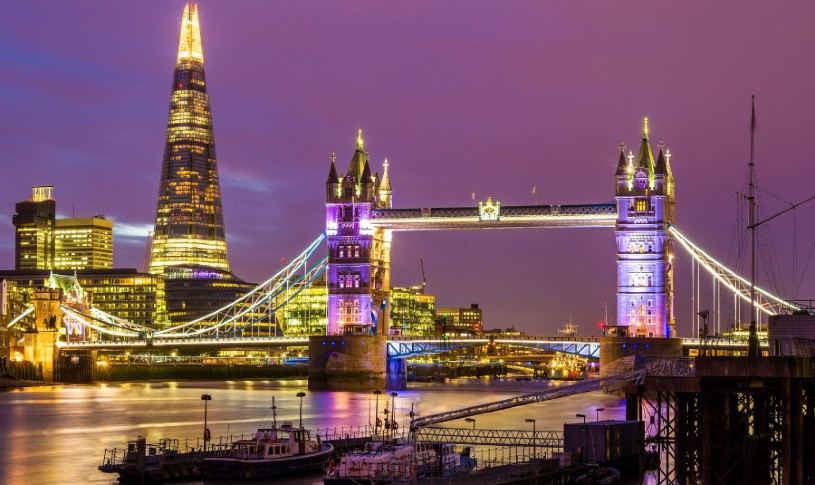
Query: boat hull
[(240, 469)]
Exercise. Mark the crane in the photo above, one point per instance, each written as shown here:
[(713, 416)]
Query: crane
[(424, 278)]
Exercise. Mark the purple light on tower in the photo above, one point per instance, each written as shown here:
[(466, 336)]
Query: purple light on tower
[(645, 207), (358, 254)]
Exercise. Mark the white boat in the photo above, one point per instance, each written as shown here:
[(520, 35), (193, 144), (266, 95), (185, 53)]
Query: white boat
[(393, 461)]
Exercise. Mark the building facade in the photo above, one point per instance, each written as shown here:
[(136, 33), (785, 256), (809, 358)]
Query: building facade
[(412, 312), (83, 243), (124, 293), (305, 314), (358, 253), (644, 194), (34, 222), (44, 242), (189, 227), (460, 321)]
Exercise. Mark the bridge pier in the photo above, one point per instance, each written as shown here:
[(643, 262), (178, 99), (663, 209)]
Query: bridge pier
[(614, 348), (347, 362), (397, 373)]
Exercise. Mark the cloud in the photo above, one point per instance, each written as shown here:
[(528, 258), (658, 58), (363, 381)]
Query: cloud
[(131, 233)]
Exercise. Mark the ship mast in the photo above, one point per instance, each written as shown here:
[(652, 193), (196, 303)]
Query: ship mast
[(752, 341)]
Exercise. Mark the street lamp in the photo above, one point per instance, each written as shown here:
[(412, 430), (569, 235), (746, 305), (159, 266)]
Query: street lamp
[(598, 412), (378, 421), (583, 429), (470, 420), (393, 413), (534, 437), (206, 398), (301, 395)]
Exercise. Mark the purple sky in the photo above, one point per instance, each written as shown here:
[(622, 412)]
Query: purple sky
[(488, 96)]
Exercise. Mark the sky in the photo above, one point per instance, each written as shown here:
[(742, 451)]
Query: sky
[(463, 96)]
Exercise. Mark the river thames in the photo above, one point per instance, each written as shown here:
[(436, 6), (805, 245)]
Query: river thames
[(58, 434)]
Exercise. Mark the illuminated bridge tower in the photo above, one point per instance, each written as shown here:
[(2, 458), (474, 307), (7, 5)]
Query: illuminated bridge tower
[(359, 254), (353, 354), (645, 205), (189, 226)]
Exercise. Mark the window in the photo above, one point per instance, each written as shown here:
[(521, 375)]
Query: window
[(641, 205)]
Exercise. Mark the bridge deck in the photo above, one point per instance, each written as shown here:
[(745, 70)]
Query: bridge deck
[(537, 216)]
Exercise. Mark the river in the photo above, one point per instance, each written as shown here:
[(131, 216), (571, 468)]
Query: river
[(58, 434)]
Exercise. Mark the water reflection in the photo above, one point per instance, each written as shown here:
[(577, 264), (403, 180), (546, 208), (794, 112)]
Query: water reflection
[(57, 434)]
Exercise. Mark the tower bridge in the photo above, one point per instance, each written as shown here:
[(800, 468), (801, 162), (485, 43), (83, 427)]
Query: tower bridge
[(358, 348)]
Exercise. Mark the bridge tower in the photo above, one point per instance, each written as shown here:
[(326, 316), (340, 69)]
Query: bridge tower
[(644, 194), (358, 254), (354, 353)]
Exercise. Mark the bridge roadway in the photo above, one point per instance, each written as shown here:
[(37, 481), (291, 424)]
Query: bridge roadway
[(404, 347)]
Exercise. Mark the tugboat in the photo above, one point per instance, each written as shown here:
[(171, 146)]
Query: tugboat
[(272, 452)]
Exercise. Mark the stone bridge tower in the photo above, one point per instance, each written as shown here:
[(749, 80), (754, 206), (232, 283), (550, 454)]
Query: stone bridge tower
[(358, 254), (645, 205)]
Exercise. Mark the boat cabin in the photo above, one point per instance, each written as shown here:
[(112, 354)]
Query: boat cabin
[(270, 443)]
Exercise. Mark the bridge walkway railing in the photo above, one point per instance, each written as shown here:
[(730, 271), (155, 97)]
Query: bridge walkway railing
[(547, 395)]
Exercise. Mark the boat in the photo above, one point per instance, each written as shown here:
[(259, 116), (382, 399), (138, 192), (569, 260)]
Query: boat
[(383, 462), (272, 452), (602, 475)]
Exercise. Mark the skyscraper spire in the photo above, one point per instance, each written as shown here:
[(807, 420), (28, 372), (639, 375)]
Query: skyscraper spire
[(189, 43), (189, 227)]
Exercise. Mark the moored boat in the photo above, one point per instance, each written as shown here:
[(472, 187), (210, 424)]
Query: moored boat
[(272, 452)]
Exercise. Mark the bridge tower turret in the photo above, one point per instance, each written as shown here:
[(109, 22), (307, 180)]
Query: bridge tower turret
[(358, 254), (644, 194)]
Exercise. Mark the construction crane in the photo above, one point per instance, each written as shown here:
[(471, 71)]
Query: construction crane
[(424, 278)]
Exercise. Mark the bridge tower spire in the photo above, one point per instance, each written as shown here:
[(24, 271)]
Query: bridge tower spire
[(358, 254), (644, 194)]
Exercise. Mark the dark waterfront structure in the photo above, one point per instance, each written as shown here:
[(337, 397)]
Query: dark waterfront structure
[(189, 227), (724, 420)]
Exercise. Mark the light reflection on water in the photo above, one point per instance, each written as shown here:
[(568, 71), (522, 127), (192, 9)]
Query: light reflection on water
[(58, 434)]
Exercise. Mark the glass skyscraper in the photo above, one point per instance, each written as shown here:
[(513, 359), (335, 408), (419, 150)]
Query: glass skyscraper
[(189, 226)]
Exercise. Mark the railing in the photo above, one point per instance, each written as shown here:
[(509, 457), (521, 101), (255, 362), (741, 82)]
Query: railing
[(549, 394), (552, 440)]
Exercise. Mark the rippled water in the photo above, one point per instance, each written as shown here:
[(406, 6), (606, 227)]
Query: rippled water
[(56, 435)]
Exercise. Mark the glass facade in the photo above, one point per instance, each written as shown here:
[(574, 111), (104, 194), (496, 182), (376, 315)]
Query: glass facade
[(34, 222), (123, 293), (412, 312), (83, 243), (305, 314), (194, 291), (189, 228)]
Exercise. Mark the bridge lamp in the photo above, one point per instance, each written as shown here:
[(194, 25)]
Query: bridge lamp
[(470, 420), (301, 395), (206, 398), (578, 415), (534, 438), (598, 412)]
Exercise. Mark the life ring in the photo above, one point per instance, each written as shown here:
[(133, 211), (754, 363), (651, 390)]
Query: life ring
[(394, 425), (331, 467), (207, 435), (378, 423)]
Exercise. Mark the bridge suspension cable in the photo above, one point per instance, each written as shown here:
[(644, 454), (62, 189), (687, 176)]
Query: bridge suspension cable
[(258, 304), (765, 301)]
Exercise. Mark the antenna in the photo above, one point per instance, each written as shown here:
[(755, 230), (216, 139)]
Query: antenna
[(147, 246)]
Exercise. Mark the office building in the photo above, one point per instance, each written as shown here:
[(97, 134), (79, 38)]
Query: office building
[(83, 243)]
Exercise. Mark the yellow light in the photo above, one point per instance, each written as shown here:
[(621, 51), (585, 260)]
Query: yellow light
[(359, 138), (189, 43), (645, 126)]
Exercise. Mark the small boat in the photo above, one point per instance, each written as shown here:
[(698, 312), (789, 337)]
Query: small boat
[(602, 475), (396, 462), (272, 452)]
